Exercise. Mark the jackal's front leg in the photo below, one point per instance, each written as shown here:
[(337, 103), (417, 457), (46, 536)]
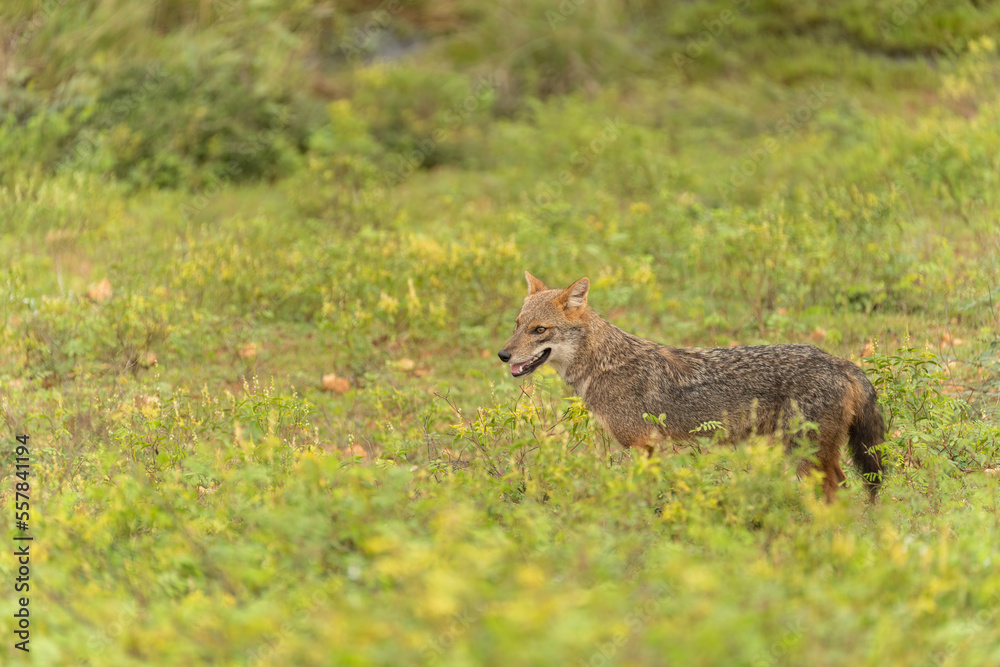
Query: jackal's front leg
[(641, 440), (628, 428)]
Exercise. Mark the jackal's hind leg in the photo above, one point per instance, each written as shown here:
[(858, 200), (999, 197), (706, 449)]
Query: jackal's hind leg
[(828, 463)]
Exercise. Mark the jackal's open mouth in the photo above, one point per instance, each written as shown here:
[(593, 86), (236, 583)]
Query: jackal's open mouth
[(517, 370)]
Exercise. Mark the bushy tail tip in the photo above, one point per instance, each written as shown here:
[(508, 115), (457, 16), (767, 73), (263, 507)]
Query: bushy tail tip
[(863, 439)]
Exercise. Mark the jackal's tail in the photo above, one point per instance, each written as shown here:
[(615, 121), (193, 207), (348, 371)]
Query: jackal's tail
[(864, 436)]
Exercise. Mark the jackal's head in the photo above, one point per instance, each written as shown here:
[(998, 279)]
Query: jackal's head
[(550, 326)]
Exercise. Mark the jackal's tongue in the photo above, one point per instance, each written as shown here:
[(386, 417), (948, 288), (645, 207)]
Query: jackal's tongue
[(517, 368)]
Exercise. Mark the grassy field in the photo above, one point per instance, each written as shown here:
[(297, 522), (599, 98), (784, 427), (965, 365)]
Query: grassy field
[(257, 258)]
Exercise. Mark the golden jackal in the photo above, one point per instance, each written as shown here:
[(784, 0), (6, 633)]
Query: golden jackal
[(752, 389)]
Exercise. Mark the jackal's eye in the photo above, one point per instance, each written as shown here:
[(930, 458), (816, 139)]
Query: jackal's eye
[(539, 330)]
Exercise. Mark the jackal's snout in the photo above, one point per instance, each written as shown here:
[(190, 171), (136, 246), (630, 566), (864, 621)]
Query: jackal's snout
[(504, 356)]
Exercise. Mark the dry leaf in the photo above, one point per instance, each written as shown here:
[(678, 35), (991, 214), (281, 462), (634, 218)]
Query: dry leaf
[(145, 400), (336, 384), (248, 350), (948, 339), (818, 334), (100, 292), (406, 364)]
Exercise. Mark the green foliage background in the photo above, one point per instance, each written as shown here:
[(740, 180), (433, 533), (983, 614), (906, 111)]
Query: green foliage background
[(282, 191)]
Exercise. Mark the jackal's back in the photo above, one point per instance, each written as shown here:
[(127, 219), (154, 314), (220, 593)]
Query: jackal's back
[(749, 389)]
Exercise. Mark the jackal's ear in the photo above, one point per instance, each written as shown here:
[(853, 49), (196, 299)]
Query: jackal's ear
[(574, 297), (534, 284)]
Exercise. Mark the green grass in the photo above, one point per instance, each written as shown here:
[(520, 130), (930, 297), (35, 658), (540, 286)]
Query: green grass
[(270, 208)]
